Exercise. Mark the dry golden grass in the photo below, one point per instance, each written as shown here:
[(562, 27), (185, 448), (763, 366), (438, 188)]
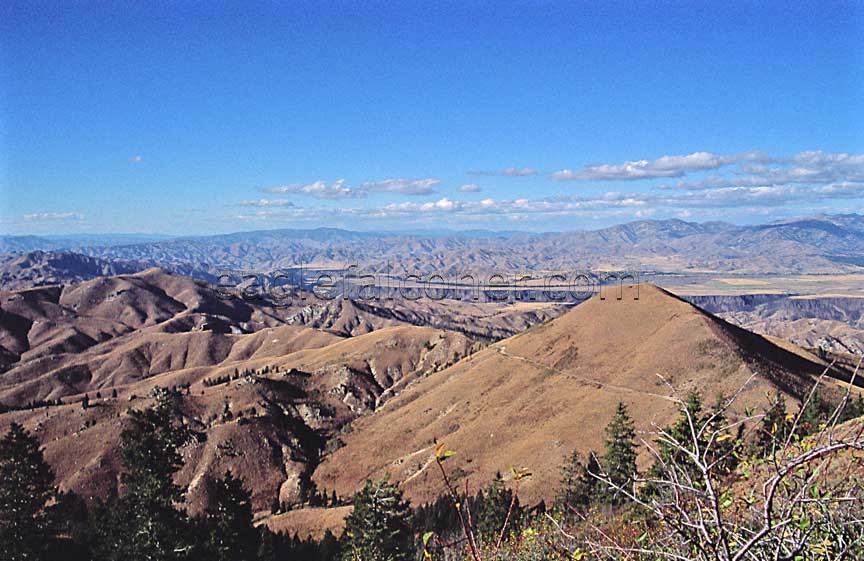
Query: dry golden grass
[(531, 399), (308, 521), (81, 445)]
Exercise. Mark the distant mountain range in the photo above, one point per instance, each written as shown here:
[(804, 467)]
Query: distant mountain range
[(73, 241), (41, 268), (819, 244)]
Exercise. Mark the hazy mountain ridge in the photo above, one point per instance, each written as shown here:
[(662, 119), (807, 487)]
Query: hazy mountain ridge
[(40, 268), (72, 242), (820, 244)]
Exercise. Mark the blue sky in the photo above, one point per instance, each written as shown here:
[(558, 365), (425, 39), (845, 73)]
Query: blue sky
[(193, 118)]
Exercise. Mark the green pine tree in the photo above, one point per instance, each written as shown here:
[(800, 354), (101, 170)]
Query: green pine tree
[(689, 422), (267, 545), (578, 486), (492, 510), (26, 486), (814, 413), (678, 435), (619, 458), (589, 478), (379, 528), (570, 471), (328, 549), (722, 448), (145, 523), (228, 519), (853, 409), (149, 446), (774, 428)]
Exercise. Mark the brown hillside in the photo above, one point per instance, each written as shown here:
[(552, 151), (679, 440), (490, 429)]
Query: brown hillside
[(531, 399), (61, 341), (270, 427), (353, 384)]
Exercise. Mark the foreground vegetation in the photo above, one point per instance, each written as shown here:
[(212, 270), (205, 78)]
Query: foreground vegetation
[(775, 485)]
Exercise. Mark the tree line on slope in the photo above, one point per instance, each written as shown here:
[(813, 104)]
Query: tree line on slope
[(698, 461), (147, 521)]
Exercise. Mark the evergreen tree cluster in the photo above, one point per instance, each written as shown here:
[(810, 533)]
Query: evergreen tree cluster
[(581, 484), (380, 526), (245, 373), (33, 404), (488, 508), (779, 426), (146, 518), (26, 487), (145, 521), (586, 483)]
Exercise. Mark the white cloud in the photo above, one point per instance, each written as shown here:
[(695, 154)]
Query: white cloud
[(53, 216), (444, 204), (695, 161), (635, 203), (341, 190), (402, 186), (818, 158), (751, 169), (136, 159), (664, 166), (508, 172), (519, 172), (811, 167), (263, 203), (320, 190), (740, 183)]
